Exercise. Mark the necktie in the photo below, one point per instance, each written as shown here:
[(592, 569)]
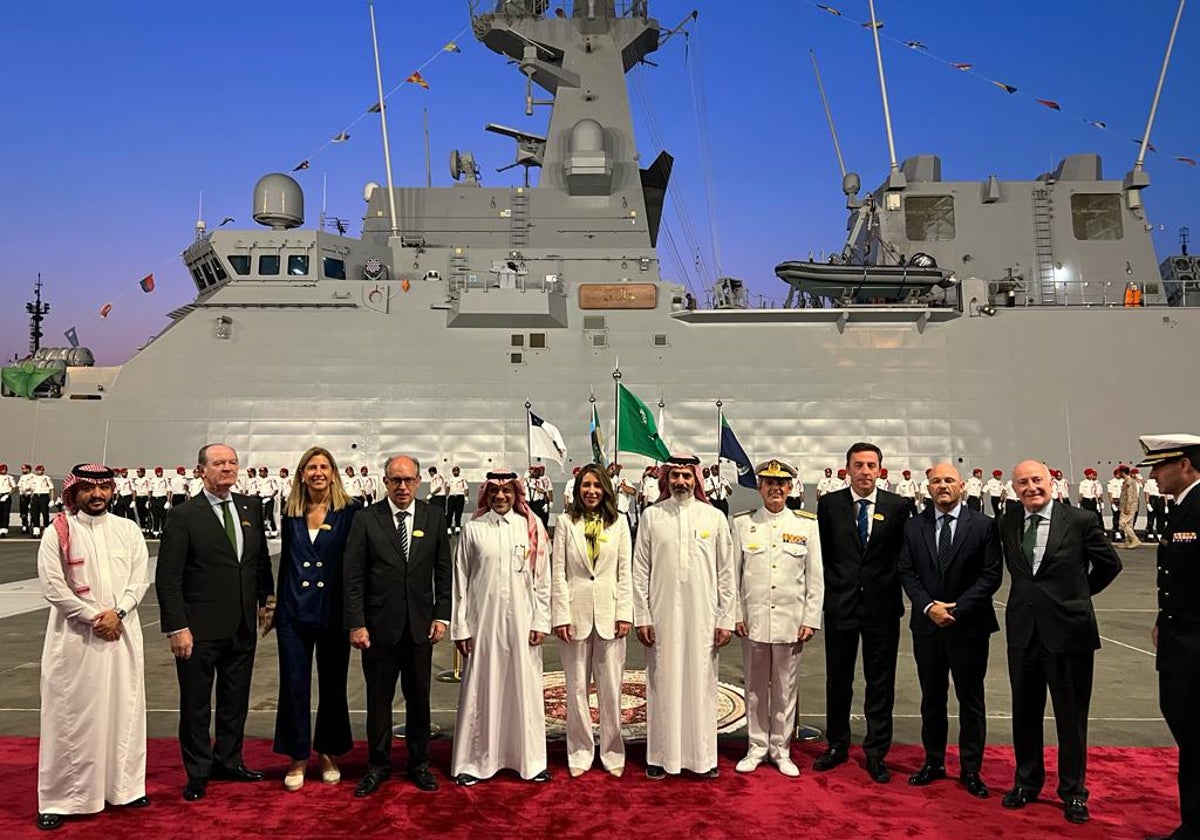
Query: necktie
[(230, 527), (863, 504), (945, 541), (402, 532), (1029, 538)]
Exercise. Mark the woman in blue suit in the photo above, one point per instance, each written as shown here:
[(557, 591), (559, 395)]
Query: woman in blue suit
[(308, 617)]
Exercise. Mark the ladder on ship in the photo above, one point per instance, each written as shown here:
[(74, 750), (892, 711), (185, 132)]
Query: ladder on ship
[(1043, 247), (518, 223)]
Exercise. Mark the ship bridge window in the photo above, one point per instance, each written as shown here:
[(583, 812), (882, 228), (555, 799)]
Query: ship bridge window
[(198, 279), (297, 265), (333, 268), (929, 218), (1096, 216), (268, 265), (240, 263), (219, 269), (208, 274)]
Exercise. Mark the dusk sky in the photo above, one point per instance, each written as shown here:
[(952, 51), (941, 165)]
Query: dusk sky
[(117, 116)]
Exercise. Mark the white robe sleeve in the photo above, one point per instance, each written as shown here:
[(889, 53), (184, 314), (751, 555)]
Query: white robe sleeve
[(139, 580), (541, 589), (460, 627), (641, 573), (54, 582), (727, 589)]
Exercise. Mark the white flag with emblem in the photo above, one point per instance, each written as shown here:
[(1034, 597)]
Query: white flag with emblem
[(545, 441)]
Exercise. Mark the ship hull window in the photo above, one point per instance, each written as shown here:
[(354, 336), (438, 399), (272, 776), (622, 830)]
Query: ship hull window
[(929, 218), (268, 265), (517, 340), (537, 341), (240, 263), (1096, 216), (333, 268), (298, 265)]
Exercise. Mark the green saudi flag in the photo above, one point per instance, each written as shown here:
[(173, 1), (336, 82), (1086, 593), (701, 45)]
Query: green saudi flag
[(637, 430)]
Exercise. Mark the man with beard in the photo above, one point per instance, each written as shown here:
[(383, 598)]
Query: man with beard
[(683, 605)]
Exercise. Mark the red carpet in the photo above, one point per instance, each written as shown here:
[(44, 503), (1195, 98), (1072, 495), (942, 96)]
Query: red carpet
[(1132, 792)]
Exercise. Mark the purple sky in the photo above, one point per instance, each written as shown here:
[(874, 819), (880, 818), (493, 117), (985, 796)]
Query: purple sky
[(117, 116)]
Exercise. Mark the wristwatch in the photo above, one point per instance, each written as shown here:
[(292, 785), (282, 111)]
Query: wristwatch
[(121, 614)]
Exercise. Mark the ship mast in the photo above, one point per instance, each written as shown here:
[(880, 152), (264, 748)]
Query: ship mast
[(37, 313)]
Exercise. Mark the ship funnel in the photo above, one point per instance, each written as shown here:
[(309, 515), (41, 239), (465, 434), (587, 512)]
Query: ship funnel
[(278, 202)]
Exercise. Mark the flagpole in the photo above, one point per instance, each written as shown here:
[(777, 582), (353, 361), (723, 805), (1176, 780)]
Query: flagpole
[(662, 425), (428, 166), (529, 432), (719, 417), (1162, 76), (616, 414), (387, 149), (887, 113)]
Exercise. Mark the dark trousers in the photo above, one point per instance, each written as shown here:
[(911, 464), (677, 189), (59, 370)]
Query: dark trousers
[(1069, 678), (1116, 519), (177, 499), (880, 643), (794, 503), (269, 517), (1090, 504), (231, 661), (940, 655), (454, 511), (158, 513), (382, 663), (541, 508), (995, 506), (141, 504), (23, 507), (123, 507), (1177, 699), (294, 734), (1156, 520), (975, 503), (721, 505), (39, 510), (5, 513)]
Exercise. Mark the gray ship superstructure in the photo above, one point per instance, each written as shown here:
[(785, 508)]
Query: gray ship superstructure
[(999, 331)]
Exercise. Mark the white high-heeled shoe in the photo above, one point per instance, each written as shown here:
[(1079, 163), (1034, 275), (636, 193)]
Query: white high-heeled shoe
[(294, 779), (330, 774)]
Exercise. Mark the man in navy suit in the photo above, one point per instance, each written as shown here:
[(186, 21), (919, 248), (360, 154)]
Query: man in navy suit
[(1058, 558), (950, 566), (862, 528)]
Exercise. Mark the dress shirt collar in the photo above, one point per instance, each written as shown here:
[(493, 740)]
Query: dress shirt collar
[(410, 510), (1043, 512), (215, 500), (855, 498), (955, 511)]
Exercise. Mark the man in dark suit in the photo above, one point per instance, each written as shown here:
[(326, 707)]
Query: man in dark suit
[(1058, 558), (950, 566), (1175, 460), (214, 570), (397, 603), (862, 529)]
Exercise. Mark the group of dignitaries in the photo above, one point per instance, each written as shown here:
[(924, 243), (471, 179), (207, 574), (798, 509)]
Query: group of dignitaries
[(381, 579)]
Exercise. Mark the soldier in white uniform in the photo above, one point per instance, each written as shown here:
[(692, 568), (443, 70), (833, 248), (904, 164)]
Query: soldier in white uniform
[(648, 492), (882, 483), (456, 499), (923, 497), (906, 487), (8, 488), (285, 484), (1060, 491), (1091, 493), (719, 489), (843, 480), (1114, 499), (826, 484), (160, 490), (994, 489), (781, 591), (268, 491), (179, 487), (795, 496), (437, 489), (354, 486), (625, 496), (368, 485), (25, 496), (569, 488), (123, 506), (41, 488), (541, 493), (141, 499), (195, 483), (1156, 515), (973, 488)]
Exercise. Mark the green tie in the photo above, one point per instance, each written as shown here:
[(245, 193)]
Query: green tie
[(1029, 538), (230, 528)]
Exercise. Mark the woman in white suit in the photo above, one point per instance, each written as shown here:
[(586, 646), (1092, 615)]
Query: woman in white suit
[(592, 612)]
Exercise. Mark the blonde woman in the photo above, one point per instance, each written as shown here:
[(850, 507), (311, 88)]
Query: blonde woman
[(308, 617), (592, 612)]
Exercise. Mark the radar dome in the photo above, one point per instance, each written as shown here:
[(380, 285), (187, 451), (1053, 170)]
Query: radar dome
[(278, 202)]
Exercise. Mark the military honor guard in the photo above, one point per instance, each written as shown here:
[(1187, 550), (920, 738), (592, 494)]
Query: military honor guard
[(906, 488), (1114, 500), (648, 490), (1174, 462), (718, 489), (8, 488), (973, 490), (160, 491), (826, 483), (354, 487), (1091, 494), (437, 488), (501, 615), (456, 500), (25, 497), (795, 496), (268, 492), (950, 566), (994, 490), (41, 488), (93, 570), (684, 600), (780, 594), (141, 498), (124, 503), (367, 481), (1156, 509), (179, 486), (1058, 559), (882, 482)]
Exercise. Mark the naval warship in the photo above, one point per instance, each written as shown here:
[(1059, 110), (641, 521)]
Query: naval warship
[(952, 324)]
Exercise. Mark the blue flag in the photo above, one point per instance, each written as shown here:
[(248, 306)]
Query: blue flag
[(731, 450)]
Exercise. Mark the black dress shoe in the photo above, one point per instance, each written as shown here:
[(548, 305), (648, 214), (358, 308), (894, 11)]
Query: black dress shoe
[(878, 771), (49, 822), (423, 779), (140, 802), (653, 771), (829, 759), (466, 780), (370, 783), (974, 785), (711, 774), (1075, 810), (927, 774), (1018, 797), (544, 776), (195, 789), (236, 774)]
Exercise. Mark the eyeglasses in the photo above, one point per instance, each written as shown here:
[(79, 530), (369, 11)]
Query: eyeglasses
[(407, 480)]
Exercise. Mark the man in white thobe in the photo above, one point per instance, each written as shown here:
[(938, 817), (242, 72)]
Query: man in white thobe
[(501, 615), (683, 595), (92, 569), (781, 590)]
